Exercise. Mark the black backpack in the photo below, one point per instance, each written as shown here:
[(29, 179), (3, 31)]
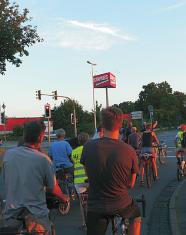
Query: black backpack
[(183, 142)]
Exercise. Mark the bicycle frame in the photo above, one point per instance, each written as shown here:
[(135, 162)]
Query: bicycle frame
[(146, 161)]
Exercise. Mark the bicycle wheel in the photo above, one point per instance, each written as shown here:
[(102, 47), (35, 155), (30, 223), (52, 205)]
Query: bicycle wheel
[(162, 154), (179, 174), (64, 208), (148, 173)]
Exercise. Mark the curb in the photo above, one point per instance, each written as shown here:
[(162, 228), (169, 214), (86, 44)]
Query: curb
[(172, 210)]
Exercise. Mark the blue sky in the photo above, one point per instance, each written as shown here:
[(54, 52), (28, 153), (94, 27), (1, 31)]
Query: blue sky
[(138, 41)]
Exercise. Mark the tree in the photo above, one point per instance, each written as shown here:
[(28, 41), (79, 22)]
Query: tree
[(127, 106), (15, 34), (62, 114)]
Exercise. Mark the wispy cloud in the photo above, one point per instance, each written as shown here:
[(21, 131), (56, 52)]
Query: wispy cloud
[(174, 6), (86, 35)]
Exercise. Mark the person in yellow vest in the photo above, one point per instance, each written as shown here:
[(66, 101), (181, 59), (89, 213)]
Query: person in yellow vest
[(79, 171), (178, 142), (80, 176)]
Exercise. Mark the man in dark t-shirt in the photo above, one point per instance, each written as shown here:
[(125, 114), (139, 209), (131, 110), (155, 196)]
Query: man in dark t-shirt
[(111, 166)]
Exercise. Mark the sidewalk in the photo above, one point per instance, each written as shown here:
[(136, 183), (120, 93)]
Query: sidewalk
[(177, 210)]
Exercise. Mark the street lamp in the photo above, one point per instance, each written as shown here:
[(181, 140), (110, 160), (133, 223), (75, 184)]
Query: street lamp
[(94, 106)]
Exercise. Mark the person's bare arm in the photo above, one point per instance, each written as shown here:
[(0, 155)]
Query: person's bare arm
[(155, 138), (132, 180)]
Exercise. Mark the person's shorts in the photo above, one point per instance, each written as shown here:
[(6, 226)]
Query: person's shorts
[(180, 149), (97, 222), (131, 212), (148, 150)]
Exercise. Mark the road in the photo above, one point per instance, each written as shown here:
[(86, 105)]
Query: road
[(70, 224)]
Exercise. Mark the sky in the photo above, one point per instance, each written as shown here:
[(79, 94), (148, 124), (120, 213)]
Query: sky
[(138, 41)]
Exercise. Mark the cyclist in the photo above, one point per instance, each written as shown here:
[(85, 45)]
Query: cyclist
[(134, 138), (153, 126), (111, 167), (99, 133), (79, 171), (179, 142), (149, 138), (27, 174), (60, 152)]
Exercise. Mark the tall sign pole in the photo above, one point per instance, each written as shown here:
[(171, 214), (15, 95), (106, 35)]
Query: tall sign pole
[(107, 99)]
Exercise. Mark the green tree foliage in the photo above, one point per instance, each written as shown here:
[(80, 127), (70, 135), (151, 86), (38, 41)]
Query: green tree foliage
[(62, 118), (16, 35), (168, 105), (127, 107)]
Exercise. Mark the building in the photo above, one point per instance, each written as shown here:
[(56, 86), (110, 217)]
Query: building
[(12, 122)]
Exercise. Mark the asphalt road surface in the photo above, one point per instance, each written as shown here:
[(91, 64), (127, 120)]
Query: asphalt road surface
[(70, 224)]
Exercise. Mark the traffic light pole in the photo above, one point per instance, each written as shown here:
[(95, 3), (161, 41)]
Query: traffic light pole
[(48, 130), (73, 103), (74, 112)]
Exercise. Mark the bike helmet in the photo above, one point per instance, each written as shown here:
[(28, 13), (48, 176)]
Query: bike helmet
[(183, 127)]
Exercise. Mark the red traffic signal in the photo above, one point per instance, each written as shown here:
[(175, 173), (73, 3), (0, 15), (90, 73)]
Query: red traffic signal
[(47, 111)]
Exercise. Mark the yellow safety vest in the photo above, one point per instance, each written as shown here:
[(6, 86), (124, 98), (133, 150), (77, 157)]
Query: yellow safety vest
[(79, 171), (179, 138)]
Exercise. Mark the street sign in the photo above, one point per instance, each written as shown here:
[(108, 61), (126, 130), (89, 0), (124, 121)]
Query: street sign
[(150, 108), (137, 115)]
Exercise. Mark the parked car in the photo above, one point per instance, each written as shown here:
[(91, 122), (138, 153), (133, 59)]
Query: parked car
[(52, 135)]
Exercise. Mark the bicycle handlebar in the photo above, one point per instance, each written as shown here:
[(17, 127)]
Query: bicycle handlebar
[(143, 201)]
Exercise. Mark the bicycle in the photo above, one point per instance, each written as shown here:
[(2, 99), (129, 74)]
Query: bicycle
[(82, 192), (120, 225), (181, 165), (20, 224), (162, 152), (66, 184), (146, 163)]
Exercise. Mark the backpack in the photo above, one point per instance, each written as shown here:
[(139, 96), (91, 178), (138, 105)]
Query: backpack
[(183, 141)]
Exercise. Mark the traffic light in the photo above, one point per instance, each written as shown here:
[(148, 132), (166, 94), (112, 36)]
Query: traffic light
[(55, 94), (38, 94), (3, 117), (47, 111), (72, 118)]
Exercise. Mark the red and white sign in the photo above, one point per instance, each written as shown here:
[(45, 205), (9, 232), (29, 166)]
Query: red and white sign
[(104, 80)]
